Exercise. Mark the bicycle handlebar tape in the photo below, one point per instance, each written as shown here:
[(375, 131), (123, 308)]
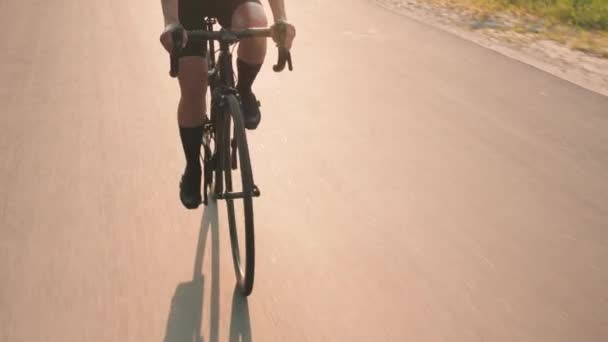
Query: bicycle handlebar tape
[(284, 58), (177, 37)]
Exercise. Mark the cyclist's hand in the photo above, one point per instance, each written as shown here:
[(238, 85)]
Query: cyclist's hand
[(283, 34), (166, 37)]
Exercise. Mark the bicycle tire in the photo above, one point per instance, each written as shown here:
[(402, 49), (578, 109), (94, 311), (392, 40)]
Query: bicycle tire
[(233, 113)]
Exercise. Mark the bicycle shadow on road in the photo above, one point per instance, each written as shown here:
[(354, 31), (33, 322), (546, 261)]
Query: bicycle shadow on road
[(185, 317), (240, 326)]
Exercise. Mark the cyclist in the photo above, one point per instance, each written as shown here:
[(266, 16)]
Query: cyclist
[(231, 14)]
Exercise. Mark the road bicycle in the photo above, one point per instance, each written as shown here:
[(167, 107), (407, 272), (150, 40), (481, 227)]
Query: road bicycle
[(224, 144)]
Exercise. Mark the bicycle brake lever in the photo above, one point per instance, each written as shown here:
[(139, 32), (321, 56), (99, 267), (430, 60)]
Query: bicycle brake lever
[(177, 38), (289, 64), (283, 58)]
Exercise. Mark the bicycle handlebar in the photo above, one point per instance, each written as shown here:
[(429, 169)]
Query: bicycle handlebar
[(202, 36)]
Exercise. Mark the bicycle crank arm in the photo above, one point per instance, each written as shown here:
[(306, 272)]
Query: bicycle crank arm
[(236, 195)]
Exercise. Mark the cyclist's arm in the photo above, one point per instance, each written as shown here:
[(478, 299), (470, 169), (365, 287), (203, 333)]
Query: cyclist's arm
[(278, 10), (170, 11), (283, 32)]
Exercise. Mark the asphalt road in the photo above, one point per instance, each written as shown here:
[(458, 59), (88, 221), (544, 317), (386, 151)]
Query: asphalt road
[(415, 187)]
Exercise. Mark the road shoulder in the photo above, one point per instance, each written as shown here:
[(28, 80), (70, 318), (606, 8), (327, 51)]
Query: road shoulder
[(578, 67)]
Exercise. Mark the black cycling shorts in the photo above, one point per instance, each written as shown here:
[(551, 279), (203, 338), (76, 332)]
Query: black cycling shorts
[(193, 12)]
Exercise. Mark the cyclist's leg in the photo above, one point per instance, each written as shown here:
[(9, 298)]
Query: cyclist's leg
[(242, 14), (193, 84), (250, 14), (192, 68), (191, 109)]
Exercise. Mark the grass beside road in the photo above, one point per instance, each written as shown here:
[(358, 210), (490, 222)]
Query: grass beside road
[(581, 24), (584, 14)]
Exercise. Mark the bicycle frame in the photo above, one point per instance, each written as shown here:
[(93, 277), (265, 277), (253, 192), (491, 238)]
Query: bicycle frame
[(220, 70), (221, 83)]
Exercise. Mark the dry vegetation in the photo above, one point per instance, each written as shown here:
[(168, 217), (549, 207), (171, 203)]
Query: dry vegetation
[(581, 24)]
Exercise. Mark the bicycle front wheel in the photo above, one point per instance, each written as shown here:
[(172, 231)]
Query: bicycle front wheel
[(239, 192)]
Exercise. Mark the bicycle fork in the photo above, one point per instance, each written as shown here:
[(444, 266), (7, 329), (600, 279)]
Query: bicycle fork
[(215, 130)]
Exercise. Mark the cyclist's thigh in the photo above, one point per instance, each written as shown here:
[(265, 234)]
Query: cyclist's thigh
[(225, 9), (191, 16), (192, 64)]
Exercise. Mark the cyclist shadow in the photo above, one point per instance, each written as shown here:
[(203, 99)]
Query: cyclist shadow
[(185, 316)]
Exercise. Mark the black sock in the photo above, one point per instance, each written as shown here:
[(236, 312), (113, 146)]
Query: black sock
[(192, 138), (247, 74)]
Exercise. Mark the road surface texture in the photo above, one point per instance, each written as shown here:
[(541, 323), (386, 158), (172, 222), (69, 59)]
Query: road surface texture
[(415, 187)]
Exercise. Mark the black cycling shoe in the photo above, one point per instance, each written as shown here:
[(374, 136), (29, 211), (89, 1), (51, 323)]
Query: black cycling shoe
[(190, 189), (251, 110)]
